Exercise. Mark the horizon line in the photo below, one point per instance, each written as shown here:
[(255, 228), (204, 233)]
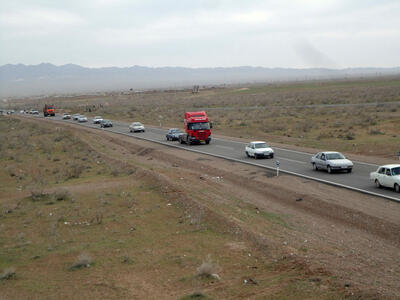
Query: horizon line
[(183, 67)]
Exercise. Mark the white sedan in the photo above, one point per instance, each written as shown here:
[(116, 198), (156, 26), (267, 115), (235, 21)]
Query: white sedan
[(387, 176), (259, 149), (97, 120), (66, 116), (136, 127), (82, 119)]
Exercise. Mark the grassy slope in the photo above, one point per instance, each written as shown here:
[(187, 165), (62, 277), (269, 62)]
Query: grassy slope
[(143, 243)]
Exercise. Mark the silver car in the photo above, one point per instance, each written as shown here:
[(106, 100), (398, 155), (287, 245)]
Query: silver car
[(136, 127), (331, 161), (82, 119)]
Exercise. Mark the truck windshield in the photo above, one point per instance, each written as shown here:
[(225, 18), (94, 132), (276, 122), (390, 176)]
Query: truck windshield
[(199, 126)]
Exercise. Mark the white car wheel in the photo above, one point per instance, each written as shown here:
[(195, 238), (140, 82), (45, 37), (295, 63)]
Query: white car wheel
[(397, 188), (314, 166), (329, 170)]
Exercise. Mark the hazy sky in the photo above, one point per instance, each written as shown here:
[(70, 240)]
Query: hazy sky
[(194, 33)]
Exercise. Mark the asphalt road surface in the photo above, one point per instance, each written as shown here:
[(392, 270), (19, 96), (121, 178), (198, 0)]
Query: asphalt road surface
[(291, 162)]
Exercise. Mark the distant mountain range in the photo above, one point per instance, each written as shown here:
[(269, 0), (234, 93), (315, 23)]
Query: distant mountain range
[(47, 79)]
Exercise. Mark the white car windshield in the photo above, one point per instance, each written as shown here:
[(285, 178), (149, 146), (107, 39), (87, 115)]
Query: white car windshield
[(260, 145), (137, 124), (332, 156), (396, 171)]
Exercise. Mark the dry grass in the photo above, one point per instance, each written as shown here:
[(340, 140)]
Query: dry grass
[(208, 269), (8, 274), (334, 114), (135, 226), (62, 195), (84, 260)]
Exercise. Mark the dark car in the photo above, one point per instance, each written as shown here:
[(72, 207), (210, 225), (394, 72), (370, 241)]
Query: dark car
[(106, 123), (173, 134)]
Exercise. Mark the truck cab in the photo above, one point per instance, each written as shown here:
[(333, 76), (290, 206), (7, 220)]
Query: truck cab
[(49, 110), (197, 128)]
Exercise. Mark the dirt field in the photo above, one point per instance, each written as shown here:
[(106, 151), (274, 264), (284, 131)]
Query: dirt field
[(148, 217), (354, 116)]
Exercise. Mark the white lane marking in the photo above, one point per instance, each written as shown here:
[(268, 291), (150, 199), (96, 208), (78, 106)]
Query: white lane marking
[(224, 147), (364, 163), (296, 161)]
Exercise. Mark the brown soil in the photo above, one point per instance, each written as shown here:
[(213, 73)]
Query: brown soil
[(350, 238)]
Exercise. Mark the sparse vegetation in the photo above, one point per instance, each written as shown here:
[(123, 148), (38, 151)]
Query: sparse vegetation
[(62, 195), (84, 260), (143, 228), (8, 274), (208, 269), (311, 114), (291, 113), (195, 295)]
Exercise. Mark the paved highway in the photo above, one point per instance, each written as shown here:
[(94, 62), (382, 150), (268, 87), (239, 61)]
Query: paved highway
[(291, 162)]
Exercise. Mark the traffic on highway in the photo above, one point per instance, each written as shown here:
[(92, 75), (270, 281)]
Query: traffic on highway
[(327, 167)]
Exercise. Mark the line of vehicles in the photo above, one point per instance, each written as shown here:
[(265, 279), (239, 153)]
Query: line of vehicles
[(197, 130), (23, 111)]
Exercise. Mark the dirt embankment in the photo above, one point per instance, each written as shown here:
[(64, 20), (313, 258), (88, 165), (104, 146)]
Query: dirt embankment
[(348, 238)]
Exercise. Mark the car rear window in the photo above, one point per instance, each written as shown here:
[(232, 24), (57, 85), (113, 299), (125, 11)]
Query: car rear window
[(261, 145)]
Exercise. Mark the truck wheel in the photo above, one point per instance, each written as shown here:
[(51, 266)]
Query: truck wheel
[(247, 153), (377, 183), (397, 188), (207, 142)]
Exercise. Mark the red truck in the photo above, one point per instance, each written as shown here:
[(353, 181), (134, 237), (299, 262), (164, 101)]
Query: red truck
[(197, 128), (49, 110)]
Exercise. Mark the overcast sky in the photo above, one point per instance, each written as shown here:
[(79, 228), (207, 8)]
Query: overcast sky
[(208, 33)]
